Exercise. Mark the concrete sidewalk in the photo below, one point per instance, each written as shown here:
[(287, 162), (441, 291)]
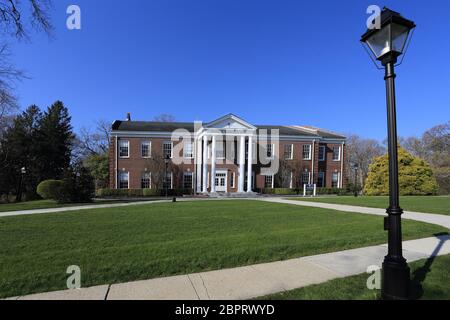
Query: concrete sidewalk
[(438, 219), (255, 280), (76, 208)]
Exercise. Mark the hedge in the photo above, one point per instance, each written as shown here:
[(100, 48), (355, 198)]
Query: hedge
[(137, 193), (50, 189)]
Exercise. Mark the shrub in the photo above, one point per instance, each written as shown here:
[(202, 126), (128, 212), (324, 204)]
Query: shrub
[(78, 185), (50, 189), (415, 176)]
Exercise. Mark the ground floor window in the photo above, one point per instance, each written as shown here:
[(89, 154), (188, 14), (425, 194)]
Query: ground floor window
[(167, 183), (146, 180), (335, 180), (305, 177), (321, 180), (124, 178), (268, 182), (232, 179), (187, 180)]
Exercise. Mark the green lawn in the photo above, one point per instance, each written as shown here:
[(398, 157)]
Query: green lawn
[(430, 280), (140, 242), (427, 204), (45, 204)]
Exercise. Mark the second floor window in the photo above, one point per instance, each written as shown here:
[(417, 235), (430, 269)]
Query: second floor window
[(306, 152), (270, 151), (167, 149), (288, 151), (336, 153), (322, 153), (124, 148), (146, 149), (188, 150)]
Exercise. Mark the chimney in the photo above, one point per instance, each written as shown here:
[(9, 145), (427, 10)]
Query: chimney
[(128, 116)]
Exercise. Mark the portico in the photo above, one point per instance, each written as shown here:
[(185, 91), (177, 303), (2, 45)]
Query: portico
[(217, 143)]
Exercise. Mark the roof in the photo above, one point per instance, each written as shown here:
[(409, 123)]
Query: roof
[(150, 126)]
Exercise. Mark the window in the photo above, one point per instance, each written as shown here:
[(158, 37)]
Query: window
[(123, 180), (322, 152), (306, 152), (268, 183), (167, 183), (188, 151), (146, 149), (321, 179), (232, 179), (124, 148), (146, 182), (220, 154), (335, 180), (336, 153), (288, 151), (187, 180), (167, 149), (305, 177), (270, 151)]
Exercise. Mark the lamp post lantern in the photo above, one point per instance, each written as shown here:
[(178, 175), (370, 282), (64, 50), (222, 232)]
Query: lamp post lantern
[(386, 44), (23, 171), (166, 161)]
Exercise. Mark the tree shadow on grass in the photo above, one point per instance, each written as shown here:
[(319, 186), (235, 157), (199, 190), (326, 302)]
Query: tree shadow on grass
[(420, 274)]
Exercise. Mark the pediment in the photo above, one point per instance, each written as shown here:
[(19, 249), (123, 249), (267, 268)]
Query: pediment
[(230, 121)]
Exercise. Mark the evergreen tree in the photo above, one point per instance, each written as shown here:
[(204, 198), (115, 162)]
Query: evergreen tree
[(415, 176), (18, 149), (55, 140)]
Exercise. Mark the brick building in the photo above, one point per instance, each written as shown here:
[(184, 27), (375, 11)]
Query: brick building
[(280, 156)]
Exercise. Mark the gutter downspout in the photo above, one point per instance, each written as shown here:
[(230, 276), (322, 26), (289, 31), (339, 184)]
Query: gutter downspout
[(313, 158), (116, 158), (342, 165)]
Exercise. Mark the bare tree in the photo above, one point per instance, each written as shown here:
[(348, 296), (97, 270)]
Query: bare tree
[(164, 118), (361, 152), (17, 17), (94, 142), (157, 166)]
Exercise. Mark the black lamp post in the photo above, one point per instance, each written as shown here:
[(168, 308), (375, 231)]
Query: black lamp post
[(387, 44), (166, 160), (355, 167), (23, 171)]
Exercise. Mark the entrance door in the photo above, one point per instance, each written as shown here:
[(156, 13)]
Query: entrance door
[(221, 181)]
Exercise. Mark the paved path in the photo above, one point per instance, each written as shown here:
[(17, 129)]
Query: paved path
[(439, 219), (255, 280), (76, 208)]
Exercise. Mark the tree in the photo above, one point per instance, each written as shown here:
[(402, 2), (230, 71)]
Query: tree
[(19, 148), (434, 147), (77, 186), (95, 142), (98, 166), (55, 141), (16, 19), (362, 152), (415, 176), (164, 118)]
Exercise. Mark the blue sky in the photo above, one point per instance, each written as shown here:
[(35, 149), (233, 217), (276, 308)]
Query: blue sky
[(268, 61)]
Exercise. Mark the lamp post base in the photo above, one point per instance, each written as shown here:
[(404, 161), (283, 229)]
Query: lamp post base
[(395, 279)]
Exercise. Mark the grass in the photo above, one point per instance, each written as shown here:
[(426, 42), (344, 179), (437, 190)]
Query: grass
[(140, 242), (427, 204), (46, 204), (430, 281)]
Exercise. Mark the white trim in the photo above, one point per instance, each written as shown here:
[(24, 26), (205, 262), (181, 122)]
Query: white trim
[(339, 154), (128, 147), (171, 148), (310, 152), (233, 175), (149, 142), (292, 151), (232, 117)]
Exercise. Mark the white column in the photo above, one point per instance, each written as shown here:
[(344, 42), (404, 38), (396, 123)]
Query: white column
[(205, 164), (213, 164), (241, 164), (341, 182), (198, 159), (250, 164)]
